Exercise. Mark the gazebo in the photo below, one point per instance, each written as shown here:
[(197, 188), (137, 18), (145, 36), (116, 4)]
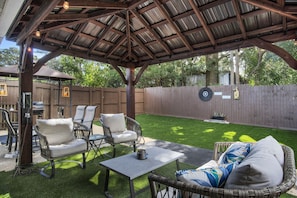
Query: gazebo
[(140, 33), (44, 73)]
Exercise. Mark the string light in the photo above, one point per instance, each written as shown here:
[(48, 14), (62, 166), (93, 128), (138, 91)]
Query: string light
[(66, 5), (37, 33), (29, 49)]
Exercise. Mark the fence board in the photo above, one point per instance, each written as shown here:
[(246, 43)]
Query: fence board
[(107, 100), (270, 106)]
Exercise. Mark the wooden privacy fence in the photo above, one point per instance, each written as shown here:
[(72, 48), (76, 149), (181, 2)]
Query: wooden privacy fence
[(270, 106), (107, 100)]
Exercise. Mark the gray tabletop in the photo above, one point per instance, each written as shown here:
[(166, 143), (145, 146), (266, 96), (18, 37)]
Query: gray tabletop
[(130, 166)]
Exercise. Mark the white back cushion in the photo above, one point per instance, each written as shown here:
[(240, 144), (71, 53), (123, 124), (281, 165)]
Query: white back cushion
[(57, 131), (270, 145), (116, 122), (258, 170)]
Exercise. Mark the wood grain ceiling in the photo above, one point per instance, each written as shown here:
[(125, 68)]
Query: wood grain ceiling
[(140, 33)]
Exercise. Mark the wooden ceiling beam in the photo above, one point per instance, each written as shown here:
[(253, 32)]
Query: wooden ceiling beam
[(95, 4), (203, 22), (65, 17), (46, 58), (135, 3), (45, 8), (102, 34), (57, 25), (269, 6), (209, 50), (148, 28), (239, 19), (173, 25), (287, 57), (151, 55), (75, 35), (115, 47), (128, 35)]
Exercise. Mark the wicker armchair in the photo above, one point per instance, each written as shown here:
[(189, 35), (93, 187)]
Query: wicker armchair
[(165, 187)]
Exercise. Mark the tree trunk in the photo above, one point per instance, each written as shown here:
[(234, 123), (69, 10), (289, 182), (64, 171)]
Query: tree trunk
[(212, 71)]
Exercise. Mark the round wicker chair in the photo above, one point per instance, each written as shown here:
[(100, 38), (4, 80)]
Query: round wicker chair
[(166, 187)]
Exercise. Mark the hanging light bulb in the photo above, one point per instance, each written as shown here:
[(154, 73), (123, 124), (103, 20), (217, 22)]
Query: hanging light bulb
[(29, 49), (37, 33), (66, 5)]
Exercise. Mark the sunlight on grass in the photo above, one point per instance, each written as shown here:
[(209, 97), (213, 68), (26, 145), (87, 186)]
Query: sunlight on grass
[(229, 135), (7, 195), (176, 129), (246, 138), (208, 131), (94, 179)]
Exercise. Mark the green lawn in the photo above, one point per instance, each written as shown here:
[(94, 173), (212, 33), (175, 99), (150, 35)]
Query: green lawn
[(72, 181), (204, 134)]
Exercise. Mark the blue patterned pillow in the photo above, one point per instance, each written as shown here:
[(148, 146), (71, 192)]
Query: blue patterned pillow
[(211, 177), (235, 153)]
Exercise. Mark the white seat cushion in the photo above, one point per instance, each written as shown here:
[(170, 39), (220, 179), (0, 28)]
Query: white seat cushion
[(125, 136), (72, 147)]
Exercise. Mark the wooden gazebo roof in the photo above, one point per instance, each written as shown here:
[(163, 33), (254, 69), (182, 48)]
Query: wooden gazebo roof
[(145, 32), (44, 72)]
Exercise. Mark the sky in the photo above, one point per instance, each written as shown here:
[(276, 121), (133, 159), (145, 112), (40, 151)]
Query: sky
[(7, 44)]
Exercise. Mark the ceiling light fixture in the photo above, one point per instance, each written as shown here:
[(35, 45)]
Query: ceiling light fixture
[(37, 33), (66, 5)]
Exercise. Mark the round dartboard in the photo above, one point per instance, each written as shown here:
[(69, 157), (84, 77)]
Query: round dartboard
[(205, 94)]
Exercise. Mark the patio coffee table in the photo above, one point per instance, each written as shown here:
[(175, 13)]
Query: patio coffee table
[(131, 167)]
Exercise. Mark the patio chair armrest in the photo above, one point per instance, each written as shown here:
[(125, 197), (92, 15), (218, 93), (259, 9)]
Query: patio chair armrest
[(44, 145), (133, 125), (106, 129), (81, 131)]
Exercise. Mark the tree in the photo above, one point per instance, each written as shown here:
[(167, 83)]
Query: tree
[(9, 56), (265, 68)]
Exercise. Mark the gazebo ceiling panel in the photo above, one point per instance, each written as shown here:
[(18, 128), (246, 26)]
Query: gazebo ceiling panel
[(141, 32)]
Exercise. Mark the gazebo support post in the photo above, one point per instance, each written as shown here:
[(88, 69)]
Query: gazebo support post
[(130, 92), (130, 81), (25, 106)]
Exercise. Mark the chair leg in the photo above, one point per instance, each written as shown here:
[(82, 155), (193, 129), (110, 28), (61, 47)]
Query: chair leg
[(84, 160), (114, 151), (16, 143), (53, 169), (52, 163), (134, 146), (9, 144)]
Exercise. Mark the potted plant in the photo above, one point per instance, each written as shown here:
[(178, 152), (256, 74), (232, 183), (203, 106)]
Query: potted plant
[(218, 116)]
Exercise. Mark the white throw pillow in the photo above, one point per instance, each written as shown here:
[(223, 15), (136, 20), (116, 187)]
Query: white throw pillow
[(258, 170), (270, 145), (116, 122)]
